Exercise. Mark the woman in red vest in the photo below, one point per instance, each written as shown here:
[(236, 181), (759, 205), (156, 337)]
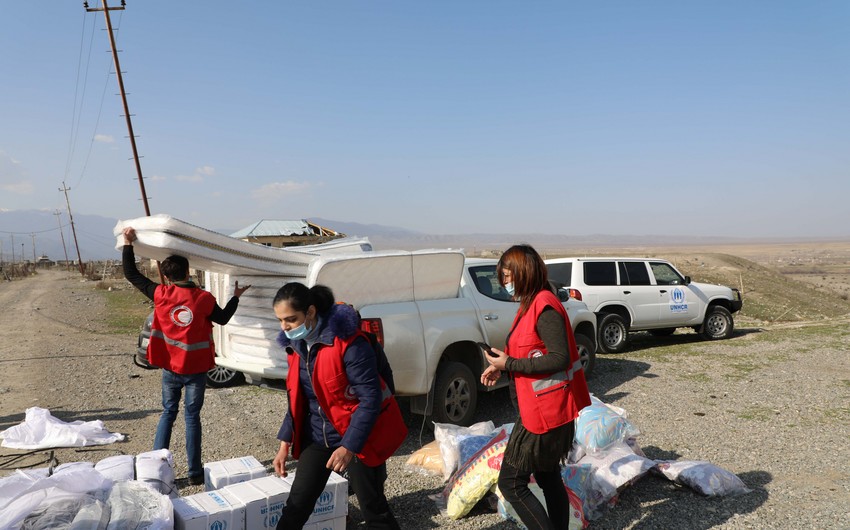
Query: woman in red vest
[(547, 385), (342, 414)]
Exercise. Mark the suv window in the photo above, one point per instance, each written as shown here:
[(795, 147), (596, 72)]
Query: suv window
[(634, 273), (665, 274), (487, 282), (600, 273), (561, 273)]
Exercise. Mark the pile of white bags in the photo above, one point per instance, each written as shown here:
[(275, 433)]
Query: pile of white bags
[(605, 459), (117, 493)]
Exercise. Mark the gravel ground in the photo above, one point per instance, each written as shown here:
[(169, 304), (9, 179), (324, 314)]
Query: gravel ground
[(771, 405)]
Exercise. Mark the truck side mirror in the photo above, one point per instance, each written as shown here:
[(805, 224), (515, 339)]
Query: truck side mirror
[(687, 280)]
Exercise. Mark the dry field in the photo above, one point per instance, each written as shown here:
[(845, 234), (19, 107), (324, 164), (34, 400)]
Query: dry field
[(771, 404)]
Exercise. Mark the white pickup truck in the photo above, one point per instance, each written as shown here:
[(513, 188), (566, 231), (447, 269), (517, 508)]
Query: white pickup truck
[(429, 308)]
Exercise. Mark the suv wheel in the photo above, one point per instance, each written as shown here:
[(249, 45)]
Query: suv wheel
[(220, 377), (586, 353), (718, 323), (455, 394), (613, 334)]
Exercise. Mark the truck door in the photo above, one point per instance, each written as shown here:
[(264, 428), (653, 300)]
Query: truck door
[(643, 297), (496, 310), (679, 304)]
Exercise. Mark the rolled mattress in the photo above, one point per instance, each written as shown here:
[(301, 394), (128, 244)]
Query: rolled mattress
[(159, 236)]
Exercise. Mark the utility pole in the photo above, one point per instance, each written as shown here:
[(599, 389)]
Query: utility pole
[(33, 248), (57, 213), (13, 250), (73, 230), (106, 9)]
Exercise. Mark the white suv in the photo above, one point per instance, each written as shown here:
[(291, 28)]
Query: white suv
[(635, 294)]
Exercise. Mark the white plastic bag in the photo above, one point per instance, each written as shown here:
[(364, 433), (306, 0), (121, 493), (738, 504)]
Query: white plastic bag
[(40, 430), (702, 476)]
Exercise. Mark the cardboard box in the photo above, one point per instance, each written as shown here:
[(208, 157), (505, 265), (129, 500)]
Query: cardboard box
[(333, 501), (232, 471), (337, 523), (263, 498), (210, 510)]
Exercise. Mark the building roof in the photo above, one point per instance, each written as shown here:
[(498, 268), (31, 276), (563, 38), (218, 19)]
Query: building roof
[(271, 228)]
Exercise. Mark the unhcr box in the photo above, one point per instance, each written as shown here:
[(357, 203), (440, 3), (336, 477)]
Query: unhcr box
[(210, 510), (333, 501), (225, 472), (263, 499)]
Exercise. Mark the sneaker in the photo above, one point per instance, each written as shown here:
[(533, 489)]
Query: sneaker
[(196, 480)]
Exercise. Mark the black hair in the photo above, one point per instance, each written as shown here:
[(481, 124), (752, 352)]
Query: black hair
[(300, 297), (175, 268)]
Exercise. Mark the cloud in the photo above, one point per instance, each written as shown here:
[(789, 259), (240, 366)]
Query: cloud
[(279, 190), (198, 175), (105, 138), (157, 178), (13, 178)]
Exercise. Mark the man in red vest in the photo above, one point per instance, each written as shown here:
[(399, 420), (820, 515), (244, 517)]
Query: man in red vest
[(181, 344)]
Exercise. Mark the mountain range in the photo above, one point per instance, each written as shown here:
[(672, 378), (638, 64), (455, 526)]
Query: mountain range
[(36, 233)]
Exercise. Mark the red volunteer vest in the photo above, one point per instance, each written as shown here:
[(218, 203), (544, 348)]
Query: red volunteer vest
[(181, 332), (546, 401), (334, 395)]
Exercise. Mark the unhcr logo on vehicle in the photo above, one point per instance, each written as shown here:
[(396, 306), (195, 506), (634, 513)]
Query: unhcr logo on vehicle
[(325, 504), (218, 525), (677, 301)]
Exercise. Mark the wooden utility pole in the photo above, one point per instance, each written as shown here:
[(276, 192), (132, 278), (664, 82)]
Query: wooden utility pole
[(106, 9), (73, 230), (57, 213)]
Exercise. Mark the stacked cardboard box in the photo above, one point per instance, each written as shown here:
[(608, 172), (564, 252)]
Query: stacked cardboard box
[(225, 472), (258, 504)]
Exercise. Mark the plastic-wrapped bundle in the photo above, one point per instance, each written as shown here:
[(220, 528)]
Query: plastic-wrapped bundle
[(134, 505), (157, 469)]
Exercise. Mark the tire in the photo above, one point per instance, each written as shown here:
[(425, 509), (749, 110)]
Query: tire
[(220, 377), (586, 352), (455, 394), (718, 323), (662, 332), (613, 333)]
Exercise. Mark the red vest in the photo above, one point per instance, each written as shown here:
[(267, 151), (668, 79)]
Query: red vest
[(181, 332), (546, 401), (338, 403)]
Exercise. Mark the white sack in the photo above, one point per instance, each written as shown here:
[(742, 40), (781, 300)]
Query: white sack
[(119, 467), (40, 430), (156, 468)]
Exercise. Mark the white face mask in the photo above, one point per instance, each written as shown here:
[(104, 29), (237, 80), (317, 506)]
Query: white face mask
[(509, 287), (299, 333)]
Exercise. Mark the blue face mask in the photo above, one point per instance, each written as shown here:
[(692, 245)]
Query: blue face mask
[(298, 333), (509, 287)]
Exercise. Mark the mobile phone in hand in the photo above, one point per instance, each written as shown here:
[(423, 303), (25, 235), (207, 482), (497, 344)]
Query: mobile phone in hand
[(486, 347)]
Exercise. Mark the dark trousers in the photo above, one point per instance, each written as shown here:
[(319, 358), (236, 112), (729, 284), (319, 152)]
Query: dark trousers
[(311, 477), (513, 483)]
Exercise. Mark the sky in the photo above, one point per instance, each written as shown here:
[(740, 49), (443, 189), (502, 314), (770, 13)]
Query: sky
[(721, 118)]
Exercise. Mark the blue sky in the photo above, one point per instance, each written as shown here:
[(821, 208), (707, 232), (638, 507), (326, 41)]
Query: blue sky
[(723, 118)]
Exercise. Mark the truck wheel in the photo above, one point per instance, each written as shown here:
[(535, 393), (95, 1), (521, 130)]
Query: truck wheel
[(718, 323), (586, 353), (613, 334), (455, 394), (220, 377)]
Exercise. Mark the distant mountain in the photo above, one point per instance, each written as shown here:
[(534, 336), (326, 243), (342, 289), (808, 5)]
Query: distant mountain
[(94, 236)]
